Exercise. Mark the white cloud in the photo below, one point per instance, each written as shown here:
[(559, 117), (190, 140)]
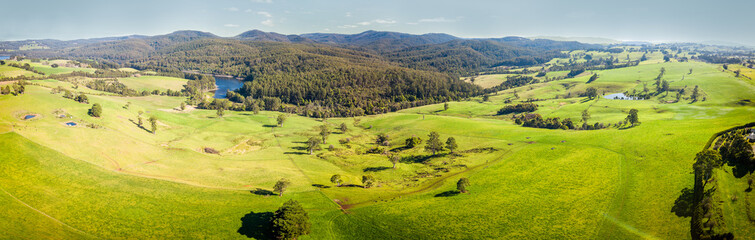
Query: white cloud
[(263, 1), (266, 14), (347, 26), (230, 25), (378, 21), (232, 9), (248, 10), (348, 14), (437, 20), (268, 23), (384, 21)]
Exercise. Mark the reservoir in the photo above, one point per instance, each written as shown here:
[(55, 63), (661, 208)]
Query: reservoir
[(4, 57), (620, 96), (225, 85)]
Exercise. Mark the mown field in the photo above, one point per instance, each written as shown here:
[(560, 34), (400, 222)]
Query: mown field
[(121, 181)]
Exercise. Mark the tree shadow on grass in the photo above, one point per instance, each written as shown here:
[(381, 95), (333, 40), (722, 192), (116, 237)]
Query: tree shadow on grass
[(421, 158), (375, 169), (683, 204), (450, 193), (262, 192), (317, 185), (257, 225), (269, 125)]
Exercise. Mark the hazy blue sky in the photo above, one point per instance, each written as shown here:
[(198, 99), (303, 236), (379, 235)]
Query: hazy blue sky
[(656, 20)]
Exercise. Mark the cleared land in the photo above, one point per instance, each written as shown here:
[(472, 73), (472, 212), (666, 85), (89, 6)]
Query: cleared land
[(527, 183)]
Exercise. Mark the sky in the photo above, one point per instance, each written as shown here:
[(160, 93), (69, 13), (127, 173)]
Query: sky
[(641, 20)]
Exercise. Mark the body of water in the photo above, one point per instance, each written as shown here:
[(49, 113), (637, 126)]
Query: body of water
[(225, 85), (620, 96), (72, 124), (4, 57), (30, 116)]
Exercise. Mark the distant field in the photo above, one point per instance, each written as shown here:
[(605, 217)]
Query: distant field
[(153, 83), (6, 71), (122, 181), (48, 69)]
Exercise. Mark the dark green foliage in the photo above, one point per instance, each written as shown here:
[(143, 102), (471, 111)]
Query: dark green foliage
[(511, 82), (153, 121), (324, 132), (413, 141), (591, 92), (585, 115), (313, 144), (451, 144), (593, 78), (574, 73), (518, 108), (633, 118), (336, 179), (220, 112), (433, 143), (462, 185), (534, 120), (382, 139), (445, 106), (96, 110), (281, 186), (343, 128), (281, 119), (54, 65), (368, 181), (291, 221), (82, 98)]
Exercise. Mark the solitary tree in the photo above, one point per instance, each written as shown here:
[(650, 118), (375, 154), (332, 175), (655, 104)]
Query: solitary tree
[(153, 121), (183, 106), (445, 106), (96, 110), (394, 158), (324, 132), (462, 185), (281, 186), (451, 144), (312, 144), (139, 117), (585, 115), (82, 98), (433, 143), (336, 179), (382, 139), (220, 112), (695, 94), (367, 181), (591, 92), (632, 118), (343, 128), (290, 221), (281, 119)]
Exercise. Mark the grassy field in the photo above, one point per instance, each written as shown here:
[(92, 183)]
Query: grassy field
[(150, 83), (9, 72), (527, 183)]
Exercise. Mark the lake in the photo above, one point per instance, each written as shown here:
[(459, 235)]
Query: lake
[(4, 57), (620, 96), (226, 84)]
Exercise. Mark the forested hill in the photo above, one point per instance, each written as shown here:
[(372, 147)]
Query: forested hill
[(339, 75)]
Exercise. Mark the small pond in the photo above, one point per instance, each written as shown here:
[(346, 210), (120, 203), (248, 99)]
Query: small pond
[(4, 57), (620, 96), (225, 85), (72, 124), (29, 116)]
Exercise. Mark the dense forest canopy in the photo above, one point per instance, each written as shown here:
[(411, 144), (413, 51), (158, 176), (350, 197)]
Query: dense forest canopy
[(340, 75)]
